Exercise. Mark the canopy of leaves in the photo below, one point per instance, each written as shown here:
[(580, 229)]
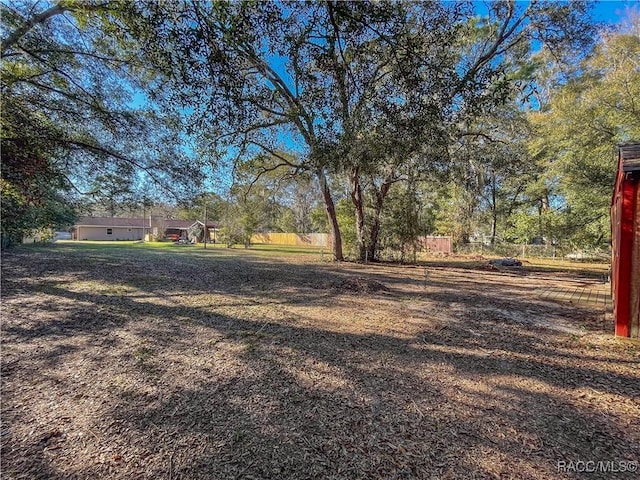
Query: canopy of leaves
[(578, 130), (70, 116)]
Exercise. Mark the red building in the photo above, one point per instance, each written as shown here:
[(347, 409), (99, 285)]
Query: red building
[(625, 237)]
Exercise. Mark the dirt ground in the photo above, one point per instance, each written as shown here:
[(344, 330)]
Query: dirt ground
[(183, 364)]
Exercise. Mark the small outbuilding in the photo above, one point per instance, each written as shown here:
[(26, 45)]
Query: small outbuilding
[(109, 228), (625, 239), (188, 230), (119, 228)]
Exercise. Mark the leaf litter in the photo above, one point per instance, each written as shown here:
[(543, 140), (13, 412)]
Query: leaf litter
[(238, 366)]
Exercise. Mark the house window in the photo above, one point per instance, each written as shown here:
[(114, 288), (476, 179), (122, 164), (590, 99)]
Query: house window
[(109, 231)]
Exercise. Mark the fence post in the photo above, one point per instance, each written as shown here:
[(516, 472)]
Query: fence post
[(523, 250)]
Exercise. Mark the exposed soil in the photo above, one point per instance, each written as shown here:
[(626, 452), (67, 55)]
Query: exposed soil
[(359, 285), (184, 364)]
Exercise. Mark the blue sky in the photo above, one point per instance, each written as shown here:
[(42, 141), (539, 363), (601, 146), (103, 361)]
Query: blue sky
[(613, 11), (604, 11)]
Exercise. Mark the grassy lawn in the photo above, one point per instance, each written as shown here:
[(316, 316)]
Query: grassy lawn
[(453, 261), (125, 360), (558, 265), (146, 247)]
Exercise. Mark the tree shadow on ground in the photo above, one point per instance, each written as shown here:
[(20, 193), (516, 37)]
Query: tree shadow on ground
[(185, 391)]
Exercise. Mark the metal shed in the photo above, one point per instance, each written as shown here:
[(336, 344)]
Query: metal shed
[(625, 238)]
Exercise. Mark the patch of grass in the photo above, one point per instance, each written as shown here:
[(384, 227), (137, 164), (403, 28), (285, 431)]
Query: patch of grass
[(250, 339), (239, 436), (580, 268), (598, 270), (143, 354), (289, 249), (116, 291), (247, 333), (250, 345), (144, 359), (197, 252), (151, 247)]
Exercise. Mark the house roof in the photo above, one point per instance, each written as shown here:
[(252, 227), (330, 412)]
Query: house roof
[(186, 223), (178, 223), (136, 222), (209, 224), (111, 222), (630, 156)]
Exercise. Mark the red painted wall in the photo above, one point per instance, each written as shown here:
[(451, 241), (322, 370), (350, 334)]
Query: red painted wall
[(624, 270)]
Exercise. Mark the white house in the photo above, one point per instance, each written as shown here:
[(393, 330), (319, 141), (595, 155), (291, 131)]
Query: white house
[(110, 228)]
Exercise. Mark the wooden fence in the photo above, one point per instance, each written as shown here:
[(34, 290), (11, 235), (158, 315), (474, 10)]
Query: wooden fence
[(299, 239), (430, 243), (436, 244)]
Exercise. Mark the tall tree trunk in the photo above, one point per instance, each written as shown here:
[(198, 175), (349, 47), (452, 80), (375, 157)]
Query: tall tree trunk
[(543, 207), (358, 203), (331, 216), (494, 208), (372, 248), (545, 201)]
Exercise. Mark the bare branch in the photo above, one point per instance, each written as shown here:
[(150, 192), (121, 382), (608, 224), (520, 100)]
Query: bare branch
[(260, 174), (274, 153)]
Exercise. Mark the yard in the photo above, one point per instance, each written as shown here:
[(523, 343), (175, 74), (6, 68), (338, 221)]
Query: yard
[(127, 361)]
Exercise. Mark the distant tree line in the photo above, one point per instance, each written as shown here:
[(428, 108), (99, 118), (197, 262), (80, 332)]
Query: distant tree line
[(377, 122)]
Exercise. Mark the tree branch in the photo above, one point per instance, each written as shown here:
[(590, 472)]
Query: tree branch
[(75, 52), (274, 153), (57, 9), (105, 151), (21, 31), (65, 94), (307, 131), (342, 85), (504, 33), (63, 73), (482, 135)]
